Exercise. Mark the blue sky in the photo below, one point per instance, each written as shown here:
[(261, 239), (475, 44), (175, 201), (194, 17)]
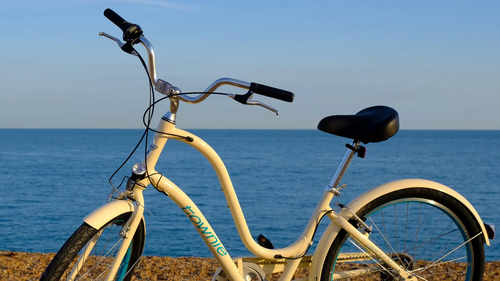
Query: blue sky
[(436, 62)]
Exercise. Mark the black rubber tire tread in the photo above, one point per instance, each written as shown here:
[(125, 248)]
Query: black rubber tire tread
[(455, 206), (67, 253), (79, 239)]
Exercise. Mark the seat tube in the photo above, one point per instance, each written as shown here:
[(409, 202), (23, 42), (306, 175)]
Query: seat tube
[(343, 166)]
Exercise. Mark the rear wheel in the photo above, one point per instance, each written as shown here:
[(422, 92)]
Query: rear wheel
[(429, 233), (100, 247)]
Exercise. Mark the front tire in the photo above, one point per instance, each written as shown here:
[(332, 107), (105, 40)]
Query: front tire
[(104, 244), (428, 232)]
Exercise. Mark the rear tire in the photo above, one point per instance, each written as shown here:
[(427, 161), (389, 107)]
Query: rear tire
[(442, 241), (101, 257)]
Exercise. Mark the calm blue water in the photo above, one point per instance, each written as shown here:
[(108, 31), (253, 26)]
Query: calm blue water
[(53, 178)]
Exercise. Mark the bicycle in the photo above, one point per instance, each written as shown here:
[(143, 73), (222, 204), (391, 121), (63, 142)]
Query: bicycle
[(447, 242)]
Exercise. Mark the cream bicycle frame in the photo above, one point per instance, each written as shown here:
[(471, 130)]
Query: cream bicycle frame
[(296, 250), (291, 256)]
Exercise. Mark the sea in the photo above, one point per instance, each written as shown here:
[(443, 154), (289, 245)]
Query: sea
[(52, 178)]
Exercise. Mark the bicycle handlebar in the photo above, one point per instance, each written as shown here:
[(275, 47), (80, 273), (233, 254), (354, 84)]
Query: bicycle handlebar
[(132, 34)]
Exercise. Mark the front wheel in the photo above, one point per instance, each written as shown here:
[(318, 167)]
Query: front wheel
[(429, 233), (89, 253)]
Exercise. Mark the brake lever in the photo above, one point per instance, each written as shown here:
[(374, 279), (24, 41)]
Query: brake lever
[(268, 107), (255, 102), (118, 41)]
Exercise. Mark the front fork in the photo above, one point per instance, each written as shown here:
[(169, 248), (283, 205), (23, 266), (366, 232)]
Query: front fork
[(372, 249), (128, 231)]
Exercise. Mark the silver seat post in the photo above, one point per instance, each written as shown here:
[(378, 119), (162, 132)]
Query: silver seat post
[(342, 168)]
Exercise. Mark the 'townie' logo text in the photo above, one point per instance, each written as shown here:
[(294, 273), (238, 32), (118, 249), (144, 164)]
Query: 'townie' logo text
[(209, 236)]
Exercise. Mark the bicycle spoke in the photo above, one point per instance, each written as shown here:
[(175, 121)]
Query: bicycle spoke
[(446, 246), (385, 238), (109, 251), (110, 237), (438, 264), (461, 245), (373, 258), (420, 226), (133, 266), (406, 224), (383, 224), (430, 241), (396, 226), (432, 230)]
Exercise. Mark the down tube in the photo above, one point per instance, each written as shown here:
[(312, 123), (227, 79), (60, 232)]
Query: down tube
[(200, 223)]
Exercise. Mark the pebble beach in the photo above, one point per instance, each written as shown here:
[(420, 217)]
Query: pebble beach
[(20, 266)]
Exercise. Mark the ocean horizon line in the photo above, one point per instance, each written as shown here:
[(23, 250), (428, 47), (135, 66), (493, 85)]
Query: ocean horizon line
[(235, 129)]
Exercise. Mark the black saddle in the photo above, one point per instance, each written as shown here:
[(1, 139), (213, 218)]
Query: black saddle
[(373, 124)]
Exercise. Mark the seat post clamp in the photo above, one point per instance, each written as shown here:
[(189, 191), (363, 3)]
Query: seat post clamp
[(360, 151)]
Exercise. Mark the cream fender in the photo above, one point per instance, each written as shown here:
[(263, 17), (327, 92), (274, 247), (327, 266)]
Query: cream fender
[(105, 213)]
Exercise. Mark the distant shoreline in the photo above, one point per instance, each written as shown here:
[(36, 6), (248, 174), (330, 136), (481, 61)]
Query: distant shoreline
[(22, 266)]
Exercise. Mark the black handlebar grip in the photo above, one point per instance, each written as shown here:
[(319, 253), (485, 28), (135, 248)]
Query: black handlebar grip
[(116, 19), (272, 92)]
